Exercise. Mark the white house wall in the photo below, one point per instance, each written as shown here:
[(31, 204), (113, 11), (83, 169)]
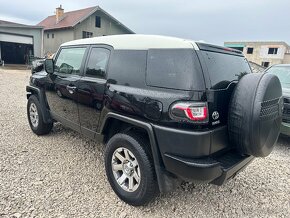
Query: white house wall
[(51, 45), (29, 36), (265, 48), (286, 59), (108, 26), (16, 38)]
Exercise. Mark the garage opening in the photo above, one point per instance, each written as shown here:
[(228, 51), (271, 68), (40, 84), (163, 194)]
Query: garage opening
[(15, 53)]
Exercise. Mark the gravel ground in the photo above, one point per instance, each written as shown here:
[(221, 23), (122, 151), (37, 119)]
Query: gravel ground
[(62, 175)]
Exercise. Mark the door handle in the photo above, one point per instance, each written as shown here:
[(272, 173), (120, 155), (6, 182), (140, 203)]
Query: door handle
[(71, 89)]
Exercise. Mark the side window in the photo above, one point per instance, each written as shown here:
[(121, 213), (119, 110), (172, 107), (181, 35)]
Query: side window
[(69, 60), (128, 67), (173, 68), (97, 63)]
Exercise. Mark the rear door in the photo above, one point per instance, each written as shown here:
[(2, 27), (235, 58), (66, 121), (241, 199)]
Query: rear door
[(61, 92), (91, 88), (223, 68)]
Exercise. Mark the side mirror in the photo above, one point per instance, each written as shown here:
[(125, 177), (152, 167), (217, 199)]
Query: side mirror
[(49, 66)]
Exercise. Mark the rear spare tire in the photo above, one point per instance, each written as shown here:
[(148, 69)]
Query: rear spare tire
[(255, 114)]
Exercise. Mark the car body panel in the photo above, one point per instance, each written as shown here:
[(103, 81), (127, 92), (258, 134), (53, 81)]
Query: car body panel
[(285, 126), (88, 105)]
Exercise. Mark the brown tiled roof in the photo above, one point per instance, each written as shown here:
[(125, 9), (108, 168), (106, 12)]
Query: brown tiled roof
[(69, 19)]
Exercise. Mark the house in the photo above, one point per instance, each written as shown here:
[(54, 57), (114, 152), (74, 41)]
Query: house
[(263, 53), (18, 42), (84, 23)]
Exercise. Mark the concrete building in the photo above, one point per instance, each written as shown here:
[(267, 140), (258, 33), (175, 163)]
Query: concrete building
[(84, 23), (19, 41), (263, 53)]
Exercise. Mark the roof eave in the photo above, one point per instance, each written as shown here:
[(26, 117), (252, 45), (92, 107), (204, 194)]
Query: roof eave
[(103, 11), (58, 28), (85, 17), (114, 19), (20, 26)]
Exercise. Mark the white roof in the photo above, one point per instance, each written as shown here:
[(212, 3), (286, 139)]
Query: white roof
[(136, 42)]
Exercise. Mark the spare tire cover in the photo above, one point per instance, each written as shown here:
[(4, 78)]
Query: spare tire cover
[(255, 114)]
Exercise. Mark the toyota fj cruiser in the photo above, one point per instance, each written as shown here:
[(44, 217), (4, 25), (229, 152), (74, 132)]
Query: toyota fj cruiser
[(167, 109)]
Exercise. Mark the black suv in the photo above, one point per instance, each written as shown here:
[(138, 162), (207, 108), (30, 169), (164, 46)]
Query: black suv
[(167, 109)]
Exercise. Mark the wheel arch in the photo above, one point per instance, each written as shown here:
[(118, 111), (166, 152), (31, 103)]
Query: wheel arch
[(166, 181), (32, 90)]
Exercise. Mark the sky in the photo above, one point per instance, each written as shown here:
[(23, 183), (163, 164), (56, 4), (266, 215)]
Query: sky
[(213, 21)]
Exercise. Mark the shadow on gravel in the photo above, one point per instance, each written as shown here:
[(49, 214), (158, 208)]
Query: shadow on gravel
[(236, 197), (59, 130), (284, 140)]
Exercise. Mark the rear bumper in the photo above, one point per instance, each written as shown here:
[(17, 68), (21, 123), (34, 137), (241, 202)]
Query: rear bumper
[(191, 144), (192, 155), (216, 170)]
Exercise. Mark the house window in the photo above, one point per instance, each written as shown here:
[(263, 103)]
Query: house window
[(47, 35), (250, 50), (87, 34), (265, 64), (273, 51), (98, 22), (52, 35)]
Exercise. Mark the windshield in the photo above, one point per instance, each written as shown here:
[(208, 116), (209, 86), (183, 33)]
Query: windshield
[(283, 73)]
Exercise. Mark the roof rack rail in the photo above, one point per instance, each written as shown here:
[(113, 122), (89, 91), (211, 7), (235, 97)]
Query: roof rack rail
[(219, 49)]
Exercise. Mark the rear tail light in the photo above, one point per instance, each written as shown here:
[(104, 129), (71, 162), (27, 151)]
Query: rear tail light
[(189, 112)]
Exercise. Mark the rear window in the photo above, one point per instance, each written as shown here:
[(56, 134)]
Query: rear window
[(224, 68), (174, 68)]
